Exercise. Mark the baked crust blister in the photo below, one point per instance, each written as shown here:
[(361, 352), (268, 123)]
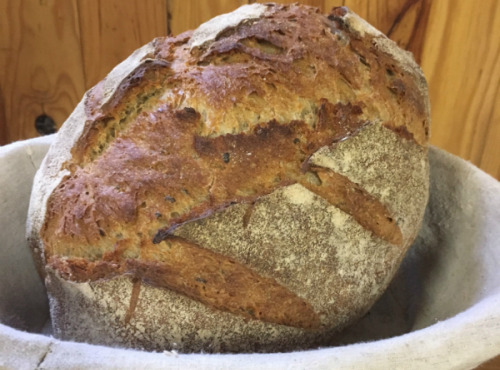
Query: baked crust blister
[(249, 186)]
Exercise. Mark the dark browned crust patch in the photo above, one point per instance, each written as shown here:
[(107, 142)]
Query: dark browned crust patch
[(173, 161)]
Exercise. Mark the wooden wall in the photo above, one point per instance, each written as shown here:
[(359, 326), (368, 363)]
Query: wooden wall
[(51, 51)]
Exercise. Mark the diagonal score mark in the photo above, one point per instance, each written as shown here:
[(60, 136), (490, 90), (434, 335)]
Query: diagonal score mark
[(246, 166), (223, 283), (348, 196), (205, 175), (203, 275)]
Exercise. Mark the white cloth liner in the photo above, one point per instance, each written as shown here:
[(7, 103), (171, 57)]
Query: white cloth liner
[(442, 310)]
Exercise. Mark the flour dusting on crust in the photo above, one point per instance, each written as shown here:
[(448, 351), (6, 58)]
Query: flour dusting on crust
[(209, 30)]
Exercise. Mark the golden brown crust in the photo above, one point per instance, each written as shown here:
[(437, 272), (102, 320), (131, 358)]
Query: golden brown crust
[(280, 58), (211, 278), (198, 128)]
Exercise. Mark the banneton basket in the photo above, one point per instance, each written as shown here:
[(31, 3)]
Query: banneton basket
[(442, 310)]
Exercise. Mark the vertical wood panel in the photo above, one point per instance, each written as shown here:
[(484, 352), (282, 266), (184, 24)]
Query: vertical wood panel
[(188, 14), (41, 63), (112, 29), (461, 59), (3, 119), (490, 159)]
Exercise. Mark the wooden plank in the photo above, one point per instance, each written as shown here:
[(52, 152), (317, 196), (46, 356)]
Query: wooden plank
[(461, 59), (3, 120), (10, 35), (490, 159), (41, 66), (112, 29), (189, 14)]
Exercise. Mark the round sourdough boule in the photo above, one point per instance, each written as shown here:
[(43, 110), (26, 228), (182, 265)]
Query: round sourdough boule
[(251, 186)]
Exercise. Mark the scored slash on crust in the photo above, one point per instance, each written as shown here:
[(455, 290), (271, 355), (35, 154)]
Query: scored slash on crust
[(132, 172), (279, 160)]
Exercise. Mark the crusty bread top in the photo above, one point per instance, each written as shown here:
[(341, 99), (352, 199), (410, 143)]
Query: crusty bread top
[(192, 124)]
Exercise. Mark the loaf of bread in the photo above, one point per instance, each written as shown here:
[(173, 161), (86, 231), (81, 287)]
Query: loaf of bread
[(250, 186)]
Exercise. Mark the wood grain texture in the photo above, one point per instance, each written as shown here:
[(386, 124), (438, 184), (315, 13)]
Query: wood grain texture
[(3, 119), (40, 63), (112, 29), (461, 59)]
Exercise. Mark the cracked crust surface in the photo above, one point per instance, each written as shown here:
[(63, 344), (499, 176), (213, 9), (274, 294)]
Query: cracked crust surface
[(273, 154)]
